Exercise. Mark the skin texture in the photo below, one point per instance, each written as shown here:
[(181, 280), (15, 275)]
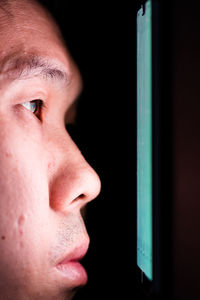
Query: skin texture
[(44, 179)]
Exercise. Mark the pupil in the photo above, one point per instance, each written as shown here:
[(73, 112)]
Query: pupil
[(33, 106)]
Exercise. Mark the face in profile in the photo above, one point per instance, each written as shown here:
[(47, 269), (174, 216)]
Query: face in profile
[(44, 179)]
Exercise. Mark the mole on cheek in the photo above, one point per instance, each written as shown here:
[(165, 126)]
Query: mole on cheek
[(3, 237), (8, 154), (21, 221)]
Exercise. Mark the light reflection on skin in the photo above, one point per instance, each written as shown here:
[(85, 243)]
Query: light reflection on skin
[(44, 181)]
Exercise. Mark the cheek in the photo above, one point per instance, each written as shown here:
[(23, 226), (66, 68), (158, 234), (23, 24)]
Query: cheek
[(24, 200), (22, 169)]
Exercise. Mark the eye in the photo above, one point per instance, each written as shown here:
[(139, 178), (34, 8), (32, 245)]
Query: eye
[(35, 106)]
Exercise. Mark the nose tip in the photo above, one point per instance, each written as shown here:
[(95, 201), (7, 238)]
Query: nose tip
[(92, 185), (75, 187), (86, 187)]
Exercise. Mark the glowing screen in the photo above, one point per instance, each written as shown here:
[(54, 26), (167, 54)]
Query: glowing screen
[(144, 142)]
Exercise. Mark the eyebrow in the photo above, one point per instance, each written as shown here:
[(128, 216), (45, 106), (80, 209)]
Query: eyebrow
[(18, 67)]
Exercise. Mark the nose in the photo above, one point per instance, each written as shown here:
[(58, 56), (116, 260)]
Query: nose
[(73, 182)]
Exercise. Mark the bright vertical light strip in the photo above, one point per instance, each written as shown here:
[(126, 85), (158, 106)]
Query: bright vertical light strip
[(144, 142)]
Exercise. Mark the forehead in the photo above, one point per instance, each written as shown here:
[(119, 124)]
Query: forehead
[(25, 25), (26, 28)]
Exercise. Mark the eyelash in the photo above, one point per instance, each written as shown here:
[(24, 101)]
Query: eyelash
[(39, 107)]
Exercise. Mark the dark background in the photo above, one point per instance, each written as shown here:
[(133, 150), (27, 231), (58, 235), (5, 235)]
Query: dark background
[(100, 36)]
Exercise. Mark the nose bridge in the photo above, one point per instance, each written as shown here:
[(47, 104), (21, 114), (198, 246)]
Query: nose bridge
[(73, 181)]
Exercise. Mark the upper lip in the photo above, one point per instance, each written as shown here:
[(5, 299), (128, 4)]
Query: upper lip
[(76, 254)]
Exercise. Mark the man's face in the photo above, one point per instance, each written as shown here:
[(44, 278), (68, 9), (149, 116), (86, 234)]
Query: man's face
[(44, 179)]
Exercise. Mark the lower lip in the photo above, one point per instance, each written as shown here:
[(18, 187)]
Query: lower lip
[(74, 272)]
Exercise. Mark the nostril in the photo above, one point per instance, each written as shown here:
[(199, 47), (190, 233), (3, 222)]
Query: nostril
[(78, 198)]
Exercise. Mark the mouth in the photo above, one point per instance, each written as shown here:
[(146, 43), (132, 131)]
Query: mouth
[(70, 267)]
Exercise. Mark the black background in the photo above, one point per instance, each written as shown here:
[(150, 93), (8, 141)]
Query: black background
[(101, 36)]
